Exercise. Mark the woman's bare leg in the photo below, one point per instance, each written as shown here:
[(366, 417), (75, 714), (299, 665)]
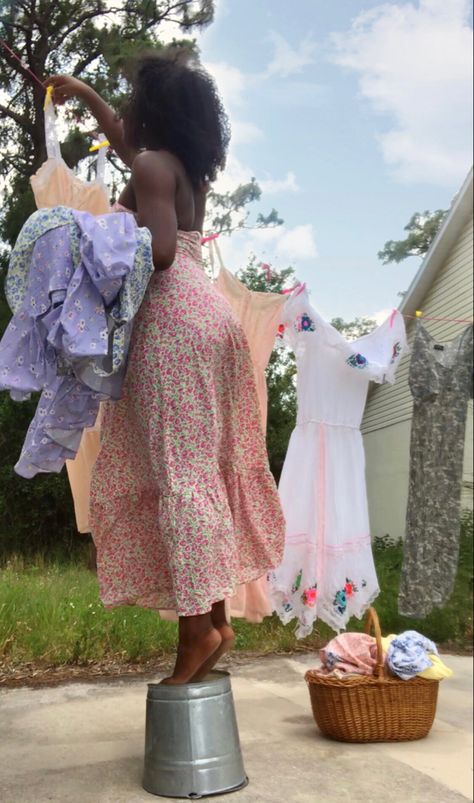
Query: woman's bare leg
[(221, 624), (198, 641)]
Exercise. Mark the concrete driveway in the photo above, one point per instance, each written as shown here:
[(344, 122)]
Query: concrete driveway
[(83, 743)]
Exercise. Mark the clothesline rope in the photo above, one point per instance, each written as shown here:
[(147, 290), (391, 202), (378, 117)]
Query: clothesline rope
[(434, 318), (210, 238), (267, 269), (22, 63)]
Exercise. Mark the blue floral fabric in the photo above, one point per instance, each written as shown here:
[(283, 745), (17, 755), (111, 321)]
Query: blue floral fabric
[(75, 284), (407, 654), (40, 222)]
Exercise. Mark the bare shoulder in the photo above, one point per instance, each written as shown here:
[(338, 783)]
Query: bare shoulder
[(154, 167)]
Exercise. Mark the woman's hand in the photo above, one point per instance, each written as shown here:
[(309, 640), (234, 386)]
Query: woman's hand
[(66, 87)]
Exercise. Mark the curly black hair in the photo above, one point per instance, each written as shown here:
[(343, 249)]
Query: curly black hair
[(175, 105)]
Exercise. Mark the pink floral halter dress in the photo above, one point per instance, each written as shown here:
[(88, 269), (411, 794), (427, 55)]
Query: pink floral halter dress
[(183, 505)]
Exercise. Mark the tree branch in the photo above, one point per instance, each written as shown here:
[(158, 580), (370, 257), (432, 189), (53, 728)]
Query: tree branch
[(24, 122), (118, 165), (81, 65), (80, 21)]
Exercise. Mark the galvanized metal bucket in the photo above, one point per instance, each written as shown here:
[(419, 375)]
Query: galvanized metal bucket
[(192, 746)]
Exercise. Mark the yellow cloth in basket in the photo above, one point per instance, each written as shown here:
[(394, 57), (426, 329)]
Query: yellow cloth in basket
[(439, 670)]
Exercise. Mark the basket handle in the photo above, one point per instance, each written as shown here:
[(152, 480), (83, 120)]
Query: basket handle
[(372, 621)]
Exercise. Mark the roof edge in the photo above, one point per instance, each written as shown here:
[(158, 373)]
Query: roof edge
[(461, 207)]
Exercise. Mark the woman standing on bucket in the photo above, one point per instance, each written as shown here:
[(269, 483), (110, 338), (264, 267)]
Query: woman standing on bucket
[(183, 505)]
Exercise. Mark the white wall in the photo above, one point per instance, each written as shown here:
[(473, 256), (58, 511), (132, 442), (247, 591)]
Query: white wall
[(387, 458)]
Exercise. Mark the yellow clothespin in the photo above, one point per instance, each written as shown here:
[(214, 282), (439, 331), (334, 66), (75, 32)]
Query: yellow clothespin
[(103, 144), (418, 313), (48, 97)]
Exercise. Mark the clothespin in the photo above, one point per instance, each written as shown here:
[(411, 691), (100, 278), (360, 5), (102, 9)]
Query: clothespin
[(209, 237), (98, 145), (267, 269), (418, 313), (392, 317), (290, 289), (48, 97)]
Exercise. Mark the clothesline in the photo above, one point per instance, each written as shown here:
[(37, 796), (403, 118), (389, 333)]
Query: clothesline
[(266, 268), (434, 318), (21, 63)]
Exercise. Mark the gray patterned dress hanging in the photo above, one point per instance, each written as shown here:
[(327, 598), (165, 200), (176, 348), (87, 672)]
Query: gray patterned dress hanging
[(441, 384)]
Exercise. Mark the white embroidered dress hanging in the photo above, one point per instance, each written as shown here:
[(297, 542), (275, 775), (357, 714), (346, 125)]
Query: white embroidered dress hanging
[(328, 570)]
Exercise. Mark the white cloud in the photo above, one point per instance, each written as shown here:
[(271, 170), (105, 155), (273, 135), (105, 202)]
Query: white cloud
[(297, 92), (288, 60), (280, 246), (296, 243), (230, 82), (414, 62), (243, 133), (237, 173), (272, 186)]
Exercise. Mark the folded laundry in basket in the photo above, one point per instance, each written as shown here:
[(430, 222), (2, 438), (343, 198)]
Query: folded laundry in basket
[(407, 655), (350, 653), (410, 654)]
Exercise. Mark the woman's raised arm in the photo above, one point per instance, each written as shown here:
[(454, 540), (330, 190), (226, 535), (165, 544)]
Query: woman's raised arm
[(66, 87)]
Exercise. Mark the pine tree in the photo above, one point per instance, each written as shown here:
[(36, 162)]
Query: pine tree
[(422, 228)]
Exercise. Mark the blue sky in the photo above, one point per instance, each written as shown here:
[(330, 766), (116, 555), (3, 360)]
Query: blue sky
[(352, 115)]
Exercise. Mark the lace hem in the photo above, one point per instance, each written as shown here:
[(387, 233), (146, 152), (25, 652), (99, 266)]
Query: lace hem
[(306, 619)]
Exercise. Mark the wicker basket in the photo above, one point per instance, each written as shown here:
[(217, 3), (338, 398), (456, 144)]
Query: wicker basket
[(375, 708)]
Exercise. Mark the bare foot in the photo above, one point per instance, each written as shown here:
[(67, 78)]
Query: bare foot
[(227, 642), (193, 653)]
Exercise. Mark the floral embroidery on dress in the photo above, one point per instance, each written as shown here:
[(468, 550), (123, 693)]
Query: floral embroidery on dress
[(341, 597), (304, 323), (340, 601), (287, 605), (310, 595), (297, 583), (396, 351), (350, 588), (357, 361)]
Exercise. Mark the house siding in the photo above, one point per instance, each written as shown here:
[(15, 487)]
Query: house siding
[(387, 419)]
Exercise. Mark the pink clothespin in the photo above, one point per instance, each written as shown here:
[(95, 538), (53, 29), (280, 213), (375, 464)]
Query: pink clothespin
[(268, 271), (208, 238), (300, 289), (290, 289), (392, 317)]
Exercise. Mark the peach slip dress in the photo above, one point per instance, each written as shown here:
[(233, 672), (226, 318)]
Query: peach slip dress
[(184, 508), (260, 315), (55, 184)]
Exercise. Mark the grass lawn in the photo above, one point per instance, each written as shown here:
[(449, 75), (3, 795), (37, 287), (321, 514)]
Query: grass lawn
[(50, 615)]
